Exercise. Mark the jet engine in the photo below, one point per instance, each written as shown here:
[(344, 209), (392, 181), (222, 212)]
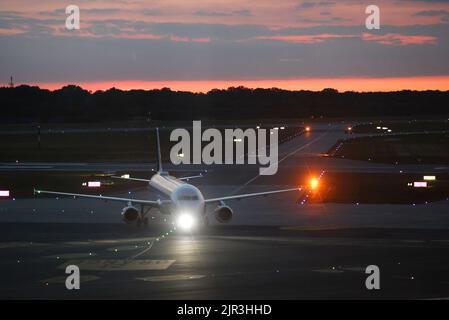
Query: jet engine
[(223, 214), (130, 215)]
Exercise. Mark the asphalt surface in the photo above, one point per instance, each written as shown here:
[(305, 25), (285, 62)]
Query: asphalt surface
[(273, 247), (117, 262)]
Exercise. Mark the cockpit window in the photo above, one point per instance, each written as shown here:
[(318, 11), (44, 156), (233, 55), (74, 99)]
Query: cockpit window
[(188, 198)]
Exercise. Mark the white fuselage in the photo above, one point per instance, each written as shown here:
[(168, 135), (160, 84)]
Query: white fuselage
[(186, 198)]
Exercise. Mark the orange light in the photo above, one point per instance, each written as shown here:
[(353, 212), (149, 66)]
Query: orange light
[(349, 128), (314, 183), (308, 129)]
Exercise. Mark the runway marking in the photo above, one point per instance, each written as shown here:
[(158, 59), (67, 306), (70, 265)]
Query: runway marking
[(329, 241), (125, 248), (175, 277), (72, 255), (357, 269), (310, 228), (409, 277), (110, 241), (21, 244), (150, 245), (16, 168), (413, 241), (119, 264), (84, 278), (77, 243), (327, 270)]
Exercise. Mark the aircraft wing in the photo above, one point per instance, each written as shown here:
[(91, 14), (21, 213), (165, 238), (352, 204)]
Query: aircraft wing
[(191, 177), (100, 197), (250, 195), (132, 179), (146, 180)]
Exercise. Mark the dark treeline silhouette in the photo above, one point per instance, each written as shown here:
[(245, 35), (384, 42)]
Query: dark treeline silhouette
[(73, 104)]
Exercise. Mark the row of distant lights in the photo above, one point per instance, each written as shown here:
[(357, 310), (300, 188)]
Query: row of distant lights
[(166, 234), (350, 129), (384, 128), (337, 149)]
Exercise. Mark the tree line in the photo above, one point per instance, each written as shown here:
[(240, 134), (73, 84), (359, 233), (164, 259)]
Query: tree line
[(73, 104)]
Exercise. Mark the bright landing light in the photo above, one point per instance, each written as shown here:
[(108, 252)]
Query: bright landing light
[(314, 183), (185, 221)]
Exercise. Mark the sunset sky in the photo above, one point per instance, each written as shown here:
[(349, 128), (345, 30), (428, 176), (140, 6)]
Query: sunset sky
[(200, 45)]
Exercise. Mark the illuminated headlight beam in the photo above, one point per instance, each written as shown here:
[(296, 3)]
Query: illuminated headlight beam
[(185, 221)]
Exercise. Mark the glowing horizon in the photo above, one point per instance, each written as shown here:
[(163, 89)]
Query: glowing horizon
[(359, 84)]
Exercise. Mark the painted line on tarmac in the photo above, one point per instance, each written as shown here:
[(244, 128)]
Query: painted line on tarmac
[(125, 248), (311, 228), (332, 241), (119, 265), (142, 252), (110, 241), (329, 270), (22, 244), (356, 269), (72, 255), (59, 280), (176, 277)]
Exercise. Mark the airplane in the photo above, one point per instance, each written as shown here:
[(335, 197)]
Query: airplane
[(185, 202)]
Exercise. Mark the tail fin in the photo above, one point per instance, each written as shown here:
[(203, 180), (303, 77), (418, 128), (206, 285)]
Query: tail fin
[(159, 158)]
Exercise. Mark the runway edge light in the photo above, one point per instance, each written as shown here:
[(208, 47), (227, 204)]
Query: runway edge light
[(420, 184), (94, 184), (4, 193)]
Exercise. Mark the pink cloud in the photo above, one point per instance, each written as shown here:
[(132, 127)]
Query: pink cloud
[(394, 39), (10, 32), (391, 39), (187, 39), (314, 38)]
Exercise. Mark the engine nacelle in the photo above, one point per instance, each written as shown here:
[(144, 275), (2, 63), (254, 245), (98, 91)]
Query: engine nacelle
[(130, 215), (223, 214)]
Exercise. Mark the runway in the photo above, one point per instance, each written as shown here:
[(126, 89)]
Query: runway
[(273, 248), (223, 263)]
